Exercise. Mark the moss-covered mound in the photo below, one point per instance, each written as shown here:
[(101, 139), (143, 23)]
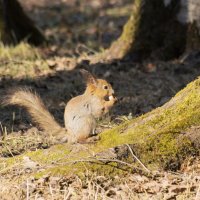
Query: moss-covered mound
[(159, 139)]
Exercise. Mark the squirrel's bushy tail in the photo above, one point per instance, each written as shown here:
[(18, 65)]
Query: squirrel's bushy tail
[(35, 107)]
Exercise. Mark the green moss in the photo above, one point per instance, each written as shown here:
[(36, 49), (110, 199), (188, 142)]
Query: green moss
[(123, 44), (48, 156), (130, 28), (81, 168), (156, 136), (152, 38), (158, 132), (7, 164)]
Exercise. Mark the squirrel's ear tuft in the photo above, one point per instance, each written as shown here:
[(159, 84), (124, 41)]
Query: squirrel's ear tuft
[(89, 78)]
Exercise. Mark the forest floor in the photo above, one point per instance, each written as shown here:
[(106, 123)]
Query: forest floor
[(79, 28)]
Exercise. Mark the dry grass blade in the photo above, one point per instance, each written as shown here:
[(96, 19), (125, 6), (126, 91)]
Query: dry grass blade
[(8, 150), (4, 132), (198, 193)]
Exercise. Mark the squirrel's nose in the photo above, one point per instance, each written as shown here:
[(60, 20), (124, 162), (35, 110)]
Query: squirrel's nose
[(106, 98)]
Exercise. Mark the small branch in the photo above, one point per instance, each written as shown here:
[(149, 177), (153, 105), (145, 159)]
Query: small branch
[(114, 160), (20, 62), (27, 190), (93, 160), (137, 158)]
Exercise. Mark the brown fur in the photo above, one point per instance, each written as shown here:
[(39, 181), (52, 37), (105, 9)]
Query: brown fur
[(80, 111), (35, 108)]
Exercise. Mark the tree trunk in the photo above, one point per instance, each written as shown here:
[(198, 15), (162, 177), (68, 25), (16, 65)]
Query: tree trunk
[(162, 138), (158, 29), (15, 25)]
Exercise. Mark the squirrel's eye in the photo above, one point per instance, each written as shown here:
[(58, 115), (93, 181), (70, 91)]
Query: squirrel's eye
[(105, 87)]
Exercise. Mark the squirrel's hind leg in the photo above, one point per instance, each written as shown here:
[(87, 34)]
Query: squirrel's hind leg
[(81, 128)]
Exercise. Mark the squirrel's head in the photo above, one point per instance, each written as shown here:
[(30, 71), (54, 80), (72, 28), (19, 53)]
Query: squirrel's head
[(98, 87)]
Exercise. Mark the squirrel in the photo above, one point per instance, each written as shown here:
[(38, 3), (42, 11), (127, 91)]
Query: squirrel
[(80, 113)]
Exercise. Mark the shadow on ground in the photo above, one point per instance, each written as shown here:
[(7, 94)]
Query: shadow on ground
[(137, 89)]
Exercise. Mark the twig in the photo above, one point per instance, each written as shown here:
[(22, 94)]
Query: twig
[(106, 125), (6, 62), (86, 48), (68, 194), (51, 192), (198, 193), (137, 158), (27, 190), (114, 160), (98, 159)]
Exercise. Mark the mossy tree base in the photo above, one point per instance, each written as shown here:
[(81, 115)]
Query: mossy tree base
[(163, 138), (154, 31)]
